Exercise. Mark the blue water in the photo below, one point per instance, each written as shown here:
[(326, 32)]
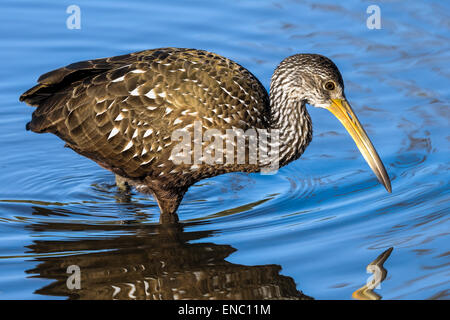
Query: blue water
[(311, 228)]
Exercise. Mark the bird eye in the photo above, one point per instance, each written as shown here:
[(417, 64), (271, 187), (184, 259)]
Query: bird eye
[(329, 85)]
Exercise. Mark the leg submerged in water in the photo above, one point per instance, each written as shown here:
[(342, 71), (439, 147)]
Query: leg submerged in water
[(122, 184), (168, 202)]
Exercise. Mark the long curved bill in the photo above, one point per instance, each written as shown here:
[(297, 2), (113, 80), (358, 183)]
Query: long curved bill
[(342, 110)]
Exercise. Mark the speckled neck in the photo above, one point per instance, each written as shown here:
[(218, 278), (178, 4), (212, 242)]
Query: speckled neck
[(290, 117)]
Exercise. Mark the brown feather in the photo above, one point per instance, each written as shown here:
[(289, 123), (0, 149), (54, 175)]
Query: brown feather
[(121, 112)]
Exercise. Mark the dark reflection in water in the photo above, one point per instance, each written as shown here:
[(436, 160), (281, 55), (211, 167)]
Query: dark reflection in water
[(150, 261)]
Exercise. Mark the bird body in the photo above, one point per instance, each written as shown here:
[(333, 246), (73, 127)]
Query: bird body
[(123, 112)]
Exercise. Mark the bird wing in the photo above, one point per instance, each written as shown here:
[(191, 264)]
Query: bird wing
[(121, 111)]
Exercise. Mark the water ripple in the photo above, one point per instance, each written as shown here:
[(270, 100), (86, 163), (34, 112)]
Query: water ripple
[(320, 219)]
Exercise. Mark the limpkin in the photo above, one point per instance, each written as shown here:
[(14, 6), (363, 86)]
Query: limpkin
[(122, 112)]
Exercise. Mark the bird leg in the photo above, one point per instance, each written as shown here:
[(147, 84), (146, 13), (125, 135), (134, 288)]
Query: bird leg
[(168, 201), (168, 207), (168, 218), (122, 184)]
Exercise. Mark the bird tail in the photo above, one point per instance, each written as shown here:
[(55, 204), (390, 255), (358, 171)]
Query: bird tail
[(54, 88), (51, 93)]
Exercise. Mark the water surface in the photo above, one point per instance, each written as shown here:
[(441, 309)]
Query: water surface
[(307, 232)]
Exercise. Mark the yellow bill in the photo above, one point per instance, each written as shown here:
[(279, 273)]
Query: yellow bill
[(342, 110)]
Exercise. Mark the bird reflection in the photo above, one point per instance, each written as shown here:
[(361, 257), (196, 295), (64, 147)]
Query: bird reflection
[(150, 261), (379, 274)]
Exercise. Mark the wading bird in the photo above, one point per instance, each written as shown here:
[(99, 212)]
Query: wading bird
[(122, 111)]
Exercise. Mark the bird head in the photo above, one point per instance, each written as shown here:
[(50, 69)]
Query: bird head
[(315, 80)]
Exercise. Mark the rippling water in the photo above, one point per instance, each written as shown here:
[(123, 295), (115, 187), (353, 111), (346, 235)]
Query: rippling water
[(307, 232)]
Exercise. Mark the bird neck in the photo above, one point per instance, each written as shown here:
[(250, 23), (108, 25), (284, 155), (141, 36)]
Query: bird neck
[(290, 117)]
